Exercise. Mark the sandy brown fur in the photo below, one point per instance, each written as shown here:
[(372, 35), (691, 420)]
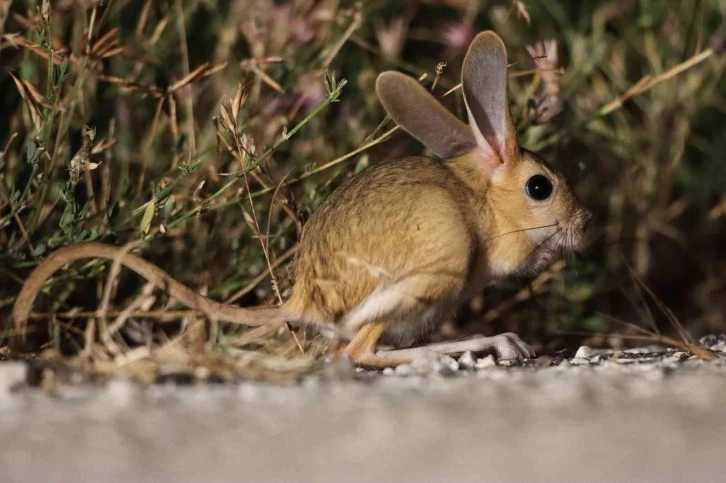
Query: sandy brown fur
[(394, 250), (413, 203)]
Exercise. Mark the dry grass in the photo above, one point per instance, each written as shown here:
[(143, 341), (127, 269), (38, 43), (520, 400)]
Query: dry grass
[(216, 130)]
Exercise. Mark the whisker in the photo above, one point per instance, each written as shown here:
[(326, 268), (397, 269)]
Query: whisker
[(543, 242), (558, 242), (524, 229)]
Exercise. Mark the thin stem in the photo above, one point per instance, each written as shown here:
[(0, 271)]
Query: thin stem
[(332, 97)]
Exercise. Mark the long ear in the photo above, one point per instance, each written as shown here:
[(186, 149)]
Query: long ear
[(422, 116), (484, 82)]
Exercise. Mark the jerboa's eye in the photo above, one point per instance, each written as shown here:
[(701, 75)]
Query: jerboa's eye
[(538, 187)]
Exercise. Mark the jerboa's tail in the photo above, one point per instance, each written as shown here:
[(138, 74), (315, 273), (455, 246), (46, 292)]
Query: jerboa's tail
[(211, 308)]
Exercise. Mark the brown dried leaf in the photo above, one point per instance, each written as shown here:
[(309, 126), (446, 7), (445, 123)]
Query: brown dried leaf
[(114, 52), (143, 18), (87, 166), (229, 121), (239, 99), (248, 144), (261, 61), (107, 38), (132, 86), (37, 96), (58, 45), (104, 145), (10, 40), (4, 10), (172, 116), (45, 11), (191, 77), (250, 221), (158, 31), (33, 107), (214, 69), (19, 41), (266, 78), (197, 192)]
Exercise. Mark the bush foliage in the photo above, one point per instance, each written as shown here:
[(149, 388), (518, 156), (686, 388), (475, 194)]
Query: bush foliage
[(210, 130)]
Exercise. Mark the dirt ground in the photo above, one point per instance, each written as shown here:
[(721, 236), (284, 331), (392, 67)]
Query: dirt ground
[(641, 418)]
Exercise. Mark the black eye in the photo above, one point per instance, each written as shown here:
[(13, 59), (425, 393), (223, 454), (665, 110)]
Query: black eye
[(538, 187)]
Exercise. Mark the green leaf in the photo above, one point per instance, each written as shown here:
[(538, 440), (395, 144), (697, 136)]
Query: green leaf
[(31, 152), (40, 249), (62, 72), (148, 216)]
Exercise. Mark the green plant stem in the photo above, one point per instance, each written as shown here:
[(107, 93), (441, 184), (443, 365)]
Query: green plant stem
[(332, 97)]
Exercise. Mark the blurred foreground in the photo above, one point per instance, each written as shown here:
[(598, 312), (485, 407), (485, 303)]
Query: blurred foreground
[(625, 418)]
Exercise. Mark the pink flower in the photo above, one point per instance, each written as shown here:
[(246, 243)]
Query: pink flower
[(544, 55), (391, 37), (458, 36), (547, 101)]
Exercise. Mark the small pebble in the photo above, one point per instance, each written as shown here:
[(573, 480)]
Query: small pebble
[(507, 362), (404, 370), (447, 365), (467, 360), (579, 361), (425, 364), (486, 362), (596, 359), (202, 373), (121, 391), (680, 356), (647, 359), (564, 363), (12, 375), (640, 350), (671, 361), (450, 362), (714, 342), (583, 352), (388, 371)]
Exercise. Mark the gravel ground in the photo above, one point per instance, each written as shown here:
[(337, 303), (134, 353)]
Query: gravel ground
[(645, 417)]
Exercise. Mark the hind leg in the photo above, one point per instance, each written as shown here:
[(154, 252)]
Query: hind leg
[(411, 296), (410, 304), (503, 346), (361, 349)]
